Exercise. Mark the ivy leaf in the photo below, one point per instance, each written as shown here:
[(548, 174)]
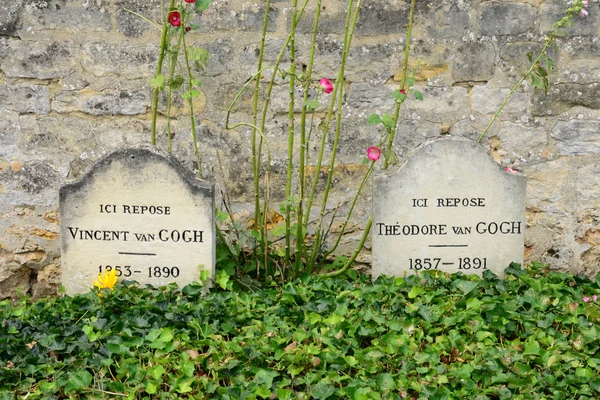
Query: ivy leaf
[(202, 5), (222, 279), (266, 377), (151, 387), (322, 390), (158, 82), (374, 119), (78, 380)]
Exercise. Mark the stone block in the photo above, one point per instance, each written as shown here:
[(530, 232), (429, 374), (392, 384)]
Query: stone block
[(486, 100), (25, 98), (9, 17), (371, 98), (546, 185), (443, 20), (563, 96), (63, 15), (47, 283), (33, 183), (133, 25), (221, 17), (474, 62), (37, 59), (439, 104), (109, 102), (523, 142), (577, 137), (127, 60), (17, 282), (582, 26), (498, 19)]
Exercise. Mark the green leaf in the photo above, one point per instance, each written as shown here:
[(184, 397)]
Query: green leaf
[(279, 229), (532, 348), (158, 82), (351, 361), (151, 387), (191, 93), (386, 382), (418, 95), (387, 121), (266, 377), (157, 372), (530, 56), (202, 5), (374, 119), (322, 390), (410, 81), (194, 27), (176, 82), (78, 380), (222, 279), (465, 286)]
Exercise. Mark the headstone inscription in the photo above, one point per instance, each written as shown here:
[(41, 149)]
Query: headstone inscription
[(139, 211), (449, 207)]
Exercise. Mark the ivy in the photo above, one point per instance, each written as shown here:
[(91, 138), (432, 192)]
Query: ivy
[(436, 336)]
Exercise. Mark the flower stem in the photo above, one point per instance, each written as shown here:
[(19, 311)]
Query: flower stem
[(161, 56), (392, 133)]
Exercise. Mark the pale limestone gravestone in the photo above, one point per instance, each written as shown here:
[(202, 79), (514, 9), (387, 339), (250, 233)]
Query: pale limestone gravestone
[(449, 207), (139, 211)]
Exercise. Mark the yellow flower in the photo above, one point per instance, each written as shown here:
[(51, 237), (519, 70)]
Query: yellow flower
[(106, 280)]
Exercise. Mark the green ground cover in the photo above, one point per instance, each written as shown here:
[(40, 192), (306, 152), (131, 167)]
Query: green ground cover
[(435, 336)]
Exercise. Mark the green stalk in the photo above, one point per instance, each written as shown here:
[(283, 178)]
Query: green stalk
[(172, 65), (354, 201), (302, 228), (547, 42), (191, 102), (392, 133), (338, 125), (291, 126), (255, 158), (324, 126), (161, 56), (350, 261)]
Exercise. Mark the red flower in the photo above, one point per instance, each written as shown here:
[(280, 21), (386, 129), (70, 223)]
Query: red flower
[(326, 85), (188, 28), (175, 18), (402, 91), (190, 1), (373, 153)]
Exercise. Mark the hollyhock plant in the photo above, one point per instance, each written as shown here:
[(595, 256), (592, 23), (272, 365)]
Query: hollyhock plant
[(326, 85), (175, 18), (373, 153)]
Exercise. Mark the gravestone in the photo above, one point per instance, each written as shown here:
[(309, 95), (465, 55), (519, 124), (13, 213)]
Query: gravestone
[(449, 207), (139, 211)]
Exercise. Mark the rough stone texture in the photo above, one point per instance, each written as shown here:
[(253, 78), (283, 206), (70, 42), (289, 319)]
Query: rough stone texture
[(74, 85), (506, 18)]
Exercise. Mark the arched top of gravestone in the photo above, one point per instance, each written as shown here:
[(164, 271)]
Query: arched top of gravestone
[(140, 158), (460, 153)]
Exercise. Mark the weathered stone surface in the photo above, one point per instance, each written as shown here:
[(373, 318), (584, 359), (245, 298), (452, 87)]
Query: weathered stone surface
[(474, 61), (488, 100), (582, 26), (138, 211), (133, 25), (130, 61), (47, 282), (37, 59), (576, 137), (16, 281), (112, 102), (63, 15), (450, 104), (523, 142), (249, 18), (9, 16), (450, 207), (449, 20), (25, 98), (506, 18), (563, 96)]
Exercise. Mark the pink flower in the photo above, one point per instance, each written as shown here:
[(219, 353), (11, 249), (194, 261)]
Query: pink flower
[(175, 18), (190, 1), (511, 170), (373, 153), (402, 91), (595, 297), (585, 3), (583, 13), (326, 85), (586, 299)]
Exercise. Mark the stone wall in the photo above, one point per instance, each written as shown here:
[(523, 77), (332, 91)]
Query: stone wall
[(74, 80)]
